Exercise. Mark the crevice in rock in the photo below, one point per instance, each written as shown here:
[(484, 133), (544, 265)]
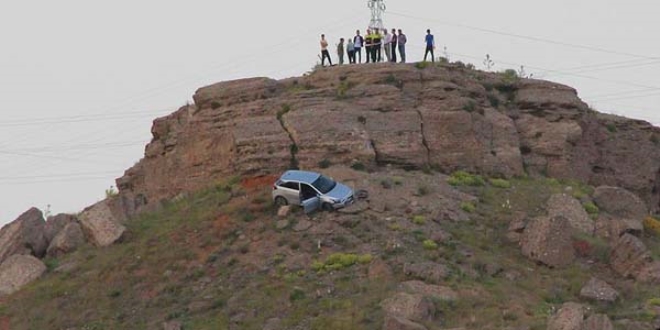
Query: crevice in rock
[(293, 147), (424, 142)]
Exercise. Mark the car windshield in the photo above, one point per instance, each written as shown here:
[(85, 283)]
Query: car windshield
[(323, 184)]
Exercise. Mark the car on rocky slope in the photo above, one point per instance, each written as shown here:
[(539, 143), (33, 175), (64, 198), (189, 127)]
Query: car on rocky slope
[(312, 191)]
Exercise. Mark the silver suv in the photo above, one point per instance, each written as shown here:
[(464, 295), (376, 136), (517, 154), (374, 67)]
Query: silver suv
[(311, 191)]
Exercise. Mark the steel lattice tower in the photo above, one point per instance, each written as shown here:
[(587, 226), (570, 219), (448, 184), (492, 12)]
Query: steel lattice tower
[(377, 9)]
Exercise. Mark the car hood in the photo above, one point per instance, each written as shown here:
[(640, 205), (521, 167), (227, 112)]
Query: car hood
[(340, 192)]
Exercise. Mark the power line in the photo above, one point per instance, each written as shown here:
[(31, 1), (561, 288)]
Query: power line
[(530, 38)]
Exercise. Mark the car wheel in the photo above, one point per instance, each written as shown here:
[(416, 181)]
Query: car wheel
[(281, 201), (327, 207)]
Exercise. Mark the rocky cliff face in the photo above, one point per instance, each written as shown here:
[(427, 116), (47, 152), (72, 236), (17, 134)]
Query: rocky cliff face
[(411, 116)]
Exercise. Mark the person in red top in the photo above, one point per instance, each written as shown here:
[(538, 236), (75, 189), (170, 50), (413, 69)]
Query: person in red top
[(324, 51)]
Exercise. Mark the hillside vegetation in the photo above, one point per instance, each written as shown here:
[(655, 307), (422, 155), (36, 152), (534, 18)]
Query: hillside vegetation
[(221, 258)]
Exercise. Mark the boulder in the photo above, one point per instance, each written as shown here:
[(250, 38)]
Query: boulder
[(272, 324), (427, 271), (284, 211), (394, 322), (620, 202), (434, 291), (66, 241), (548, 240), (56, 223), (172, 325), (598, 322), (517, 226), (569, 317), (570, 208), (599, 290), (650, 273), (611, 227), (413, 307), (629, 256), (25, 235), (18, 271), (100, 225)]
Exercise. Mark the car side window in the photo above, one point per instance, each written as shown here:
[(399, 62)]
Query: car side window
[(291, 185), (307, 191)]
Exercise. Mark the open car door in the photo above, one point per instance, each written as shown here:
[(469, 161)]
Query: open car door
[(311, 204)]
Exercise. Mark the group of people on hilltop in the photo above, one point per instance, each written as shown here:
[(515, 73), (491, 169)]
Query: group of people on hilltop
[(374, 44)]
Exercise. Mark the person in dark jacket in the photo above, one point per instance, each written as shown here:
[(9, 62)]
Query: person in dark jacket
[(393, 45), (358, 43)]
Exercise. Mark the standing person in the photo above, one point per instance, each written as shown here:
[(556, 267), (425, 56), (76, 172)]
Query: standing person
[(368, 40), (358, 42), (387, 41), (377, 44), (324, 51), (402, 39), (340, 51), (393, 44), (350, 49), (430, 45)]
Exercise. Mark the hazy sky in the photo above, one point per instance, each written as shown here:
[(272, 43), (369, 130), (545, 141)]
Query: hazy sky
[(81, 81)]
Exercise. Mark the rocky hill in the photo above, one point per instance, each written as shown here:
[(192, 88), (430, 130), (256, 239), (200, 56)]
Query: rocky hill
[(494, 202), (408, 116)]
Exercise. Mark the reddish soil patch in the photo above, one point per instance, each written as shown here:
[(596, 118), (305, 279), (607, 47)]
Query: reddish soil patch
[(257, 183), (5, 324)]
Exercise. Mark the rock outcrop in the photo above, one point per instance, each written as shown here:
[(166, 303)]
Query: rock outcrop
[(570, 208), (56, 223), (599, 290), (66, 241), (447, 117), (548, 240), (630, 256), (620, 202), (100, 225), (569, 317), (25, 235), (17, 271)]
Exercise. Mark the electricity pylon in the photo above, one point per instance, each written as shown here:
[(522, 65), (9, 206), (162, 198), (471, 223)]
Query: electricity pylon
[(377, 9)]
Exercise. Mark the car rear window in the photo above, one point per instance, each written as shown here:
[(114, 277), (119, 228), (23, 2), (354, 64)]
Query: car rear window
[(290, 185)]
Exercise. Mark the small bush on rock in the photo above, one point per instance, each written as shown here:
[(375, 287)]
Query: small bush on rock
[(468, 207), (591, 208), (462, 178), (419, 220), (430, 245), (652, 225), (338, 261), (500, 183)]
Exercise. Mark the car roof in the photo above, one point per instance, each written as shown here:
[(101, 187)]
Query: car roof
[(301, 176)]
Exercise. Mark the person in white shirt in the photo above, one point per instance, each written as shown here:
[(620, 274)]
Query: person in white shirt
[(387, 45), (324, 51)]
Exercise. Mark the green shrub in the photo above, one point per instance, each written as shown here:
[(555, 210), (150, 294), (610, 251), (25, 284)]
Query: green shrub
[(358, 166), (325, 163), (297, 294), (422, 65), (494, 100), (468, 207), (653, 302), (591, 208), (462, 178), (285, 109), (430, 245), (611, 127), (500, 183), (470, 106), (338, 261), (510, 76), (419, 219), (423, 190)]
